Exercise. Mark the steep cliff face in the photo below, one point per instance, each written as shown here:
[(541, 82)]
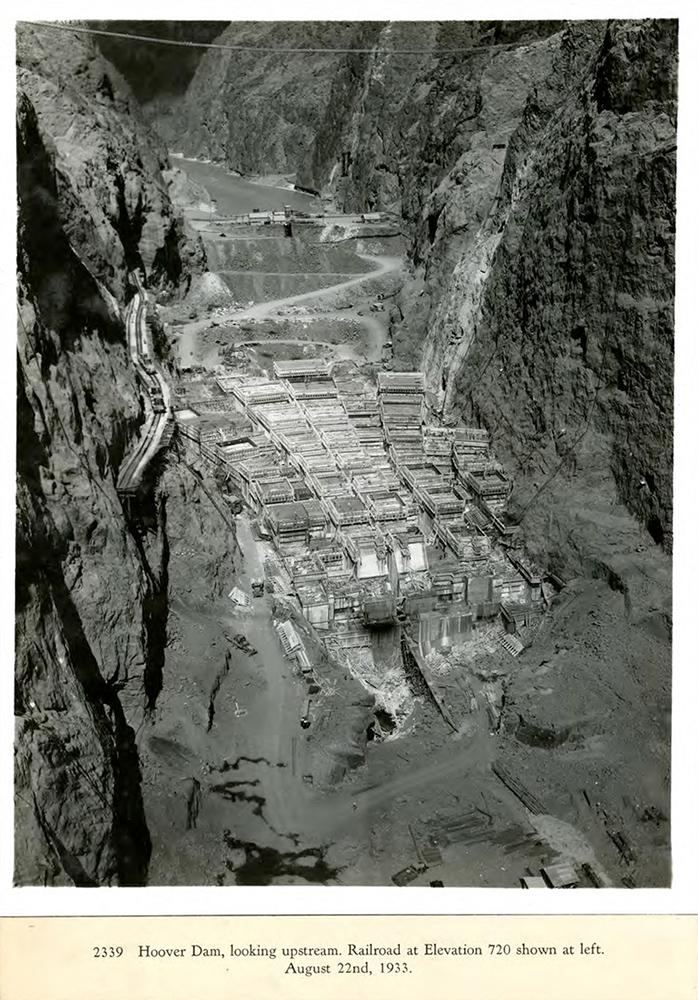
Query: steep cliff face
[(566, 350), (535, 178), (80, 580), (259, 112), (536, 174), (108, 165), (400, 117), (93, 587), (156, 70)]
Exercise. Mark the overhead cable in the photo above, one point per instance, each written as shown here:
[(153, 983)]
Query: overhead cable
[(377, 50)]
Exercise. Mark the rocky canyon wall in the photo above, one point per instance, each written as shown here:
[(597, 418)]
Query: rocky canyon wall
[(80, 581), (259, 111), (566, 351), (535, 172), (110, 168), (92, 579)]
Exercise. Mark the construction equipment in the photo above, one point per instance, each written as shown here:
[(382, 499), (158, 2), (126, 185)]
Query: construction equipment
[(257, 587), (241, 642), (407, 875)]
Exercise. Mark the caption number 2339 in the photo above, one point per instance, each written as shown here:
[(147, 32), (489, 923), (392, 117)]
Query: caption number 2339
[(107, 951)]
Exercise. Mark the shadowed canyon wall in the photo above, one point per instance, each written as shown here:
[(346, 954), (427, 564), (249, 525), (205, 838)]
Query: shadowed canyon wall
[(93, 576)]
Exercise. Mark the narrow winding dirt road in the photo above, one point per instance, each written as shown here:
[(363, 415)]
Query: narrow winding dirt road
[(188, 333), (263, 310)]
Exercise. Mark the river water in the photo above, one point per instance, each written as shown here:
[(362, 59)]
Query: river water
[(235, 195)]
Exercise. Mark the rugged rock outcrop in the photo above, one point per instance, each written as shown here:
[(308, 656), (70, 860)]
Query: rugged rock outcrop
[(402, 115), (259, 111), (156, 70), (537, 177), (564, 347), (92, 590), (80, 580), (108, 164), (586, 724)]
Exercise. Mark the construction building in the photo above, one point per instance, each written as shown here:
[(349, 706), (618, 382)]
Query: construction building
[(378, 514), (401, 382), (305, 368)]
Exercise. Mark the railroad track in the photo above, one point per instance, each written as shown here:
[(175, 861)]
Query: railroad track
[(131, 471)]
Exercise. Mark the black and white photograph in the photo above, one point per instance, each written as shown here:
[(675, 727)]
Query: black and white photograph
[(344, 468)]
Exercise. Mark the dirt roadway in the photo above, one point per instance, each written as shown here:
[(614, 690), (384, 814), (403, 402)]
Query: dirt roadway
[(249, 787), (284, 697), (292, 811), (369, 827), (336, 812), (188, 333), (369, 350), (264, 310)]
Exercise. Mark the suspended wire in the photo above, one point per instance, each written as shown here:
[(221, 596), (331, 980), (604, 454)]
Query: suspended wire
[(470, 50)]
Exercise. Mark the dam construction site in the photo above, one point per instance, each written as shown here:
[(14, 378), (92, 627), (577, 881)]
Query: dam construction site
[(354, 587)]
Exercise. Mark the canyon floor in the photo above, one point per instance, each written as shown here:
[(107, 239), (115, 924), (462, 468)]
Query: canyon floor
[(229, 786)]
